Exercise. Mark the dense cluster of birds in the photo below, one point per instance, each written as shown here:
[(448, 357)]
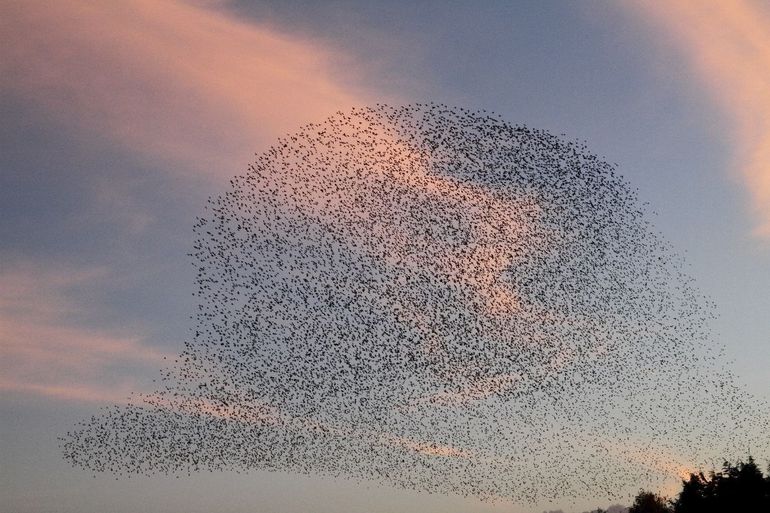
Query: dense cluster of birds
[(432, 298)]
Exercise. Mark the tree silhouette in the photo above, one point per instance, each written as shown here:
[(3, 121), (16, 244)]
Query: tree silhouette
[(696, 494), (648, 502), (615, 508), (739, 487)]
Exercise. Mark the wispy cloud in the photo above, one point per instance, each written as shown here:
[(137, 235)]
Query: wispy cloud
[(182, 84), (728, 44), (168, 79), (427, 448), (44, 351), (71, 392)]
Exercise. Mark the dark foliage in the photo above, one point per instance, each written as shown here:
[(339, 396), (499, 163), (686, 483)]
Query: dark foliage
[(615, 508), (739, 487), (648, 502)]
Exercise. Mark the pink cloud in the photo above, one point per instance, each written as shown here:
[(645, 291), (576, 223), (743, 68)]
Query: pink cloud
[(648, 456), (79, 393), (728, 47), (427, 448), (171, 80), (248, 412), (257, 412), (43, 352)]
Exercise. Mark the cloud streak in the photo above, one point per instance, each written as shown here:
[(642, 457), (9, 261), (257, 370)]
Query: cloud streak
[(44, 352), (169, 80), (179, 84), (728, 45)]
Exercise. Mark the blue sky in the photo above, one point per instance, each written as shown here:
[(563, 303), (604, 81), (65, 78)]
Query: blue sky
[(120, 120)]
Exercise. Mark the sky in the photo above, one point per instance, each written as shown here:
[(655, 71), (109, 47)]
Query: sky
[(120, 119)]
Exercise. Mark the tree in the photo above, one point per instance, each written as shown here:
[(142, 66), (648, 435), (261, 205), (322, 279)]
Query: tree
[(739, 487), (615, 508), (648, 502), (696, 494)]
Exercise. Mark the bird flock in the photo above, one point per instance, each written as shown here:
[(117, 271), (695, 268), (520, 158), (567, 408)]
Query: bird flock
[(432, 298)]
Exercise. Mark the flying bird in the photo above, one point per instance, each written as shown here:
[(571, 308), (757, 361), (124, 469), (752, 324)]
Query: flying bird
[(435, 299)]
